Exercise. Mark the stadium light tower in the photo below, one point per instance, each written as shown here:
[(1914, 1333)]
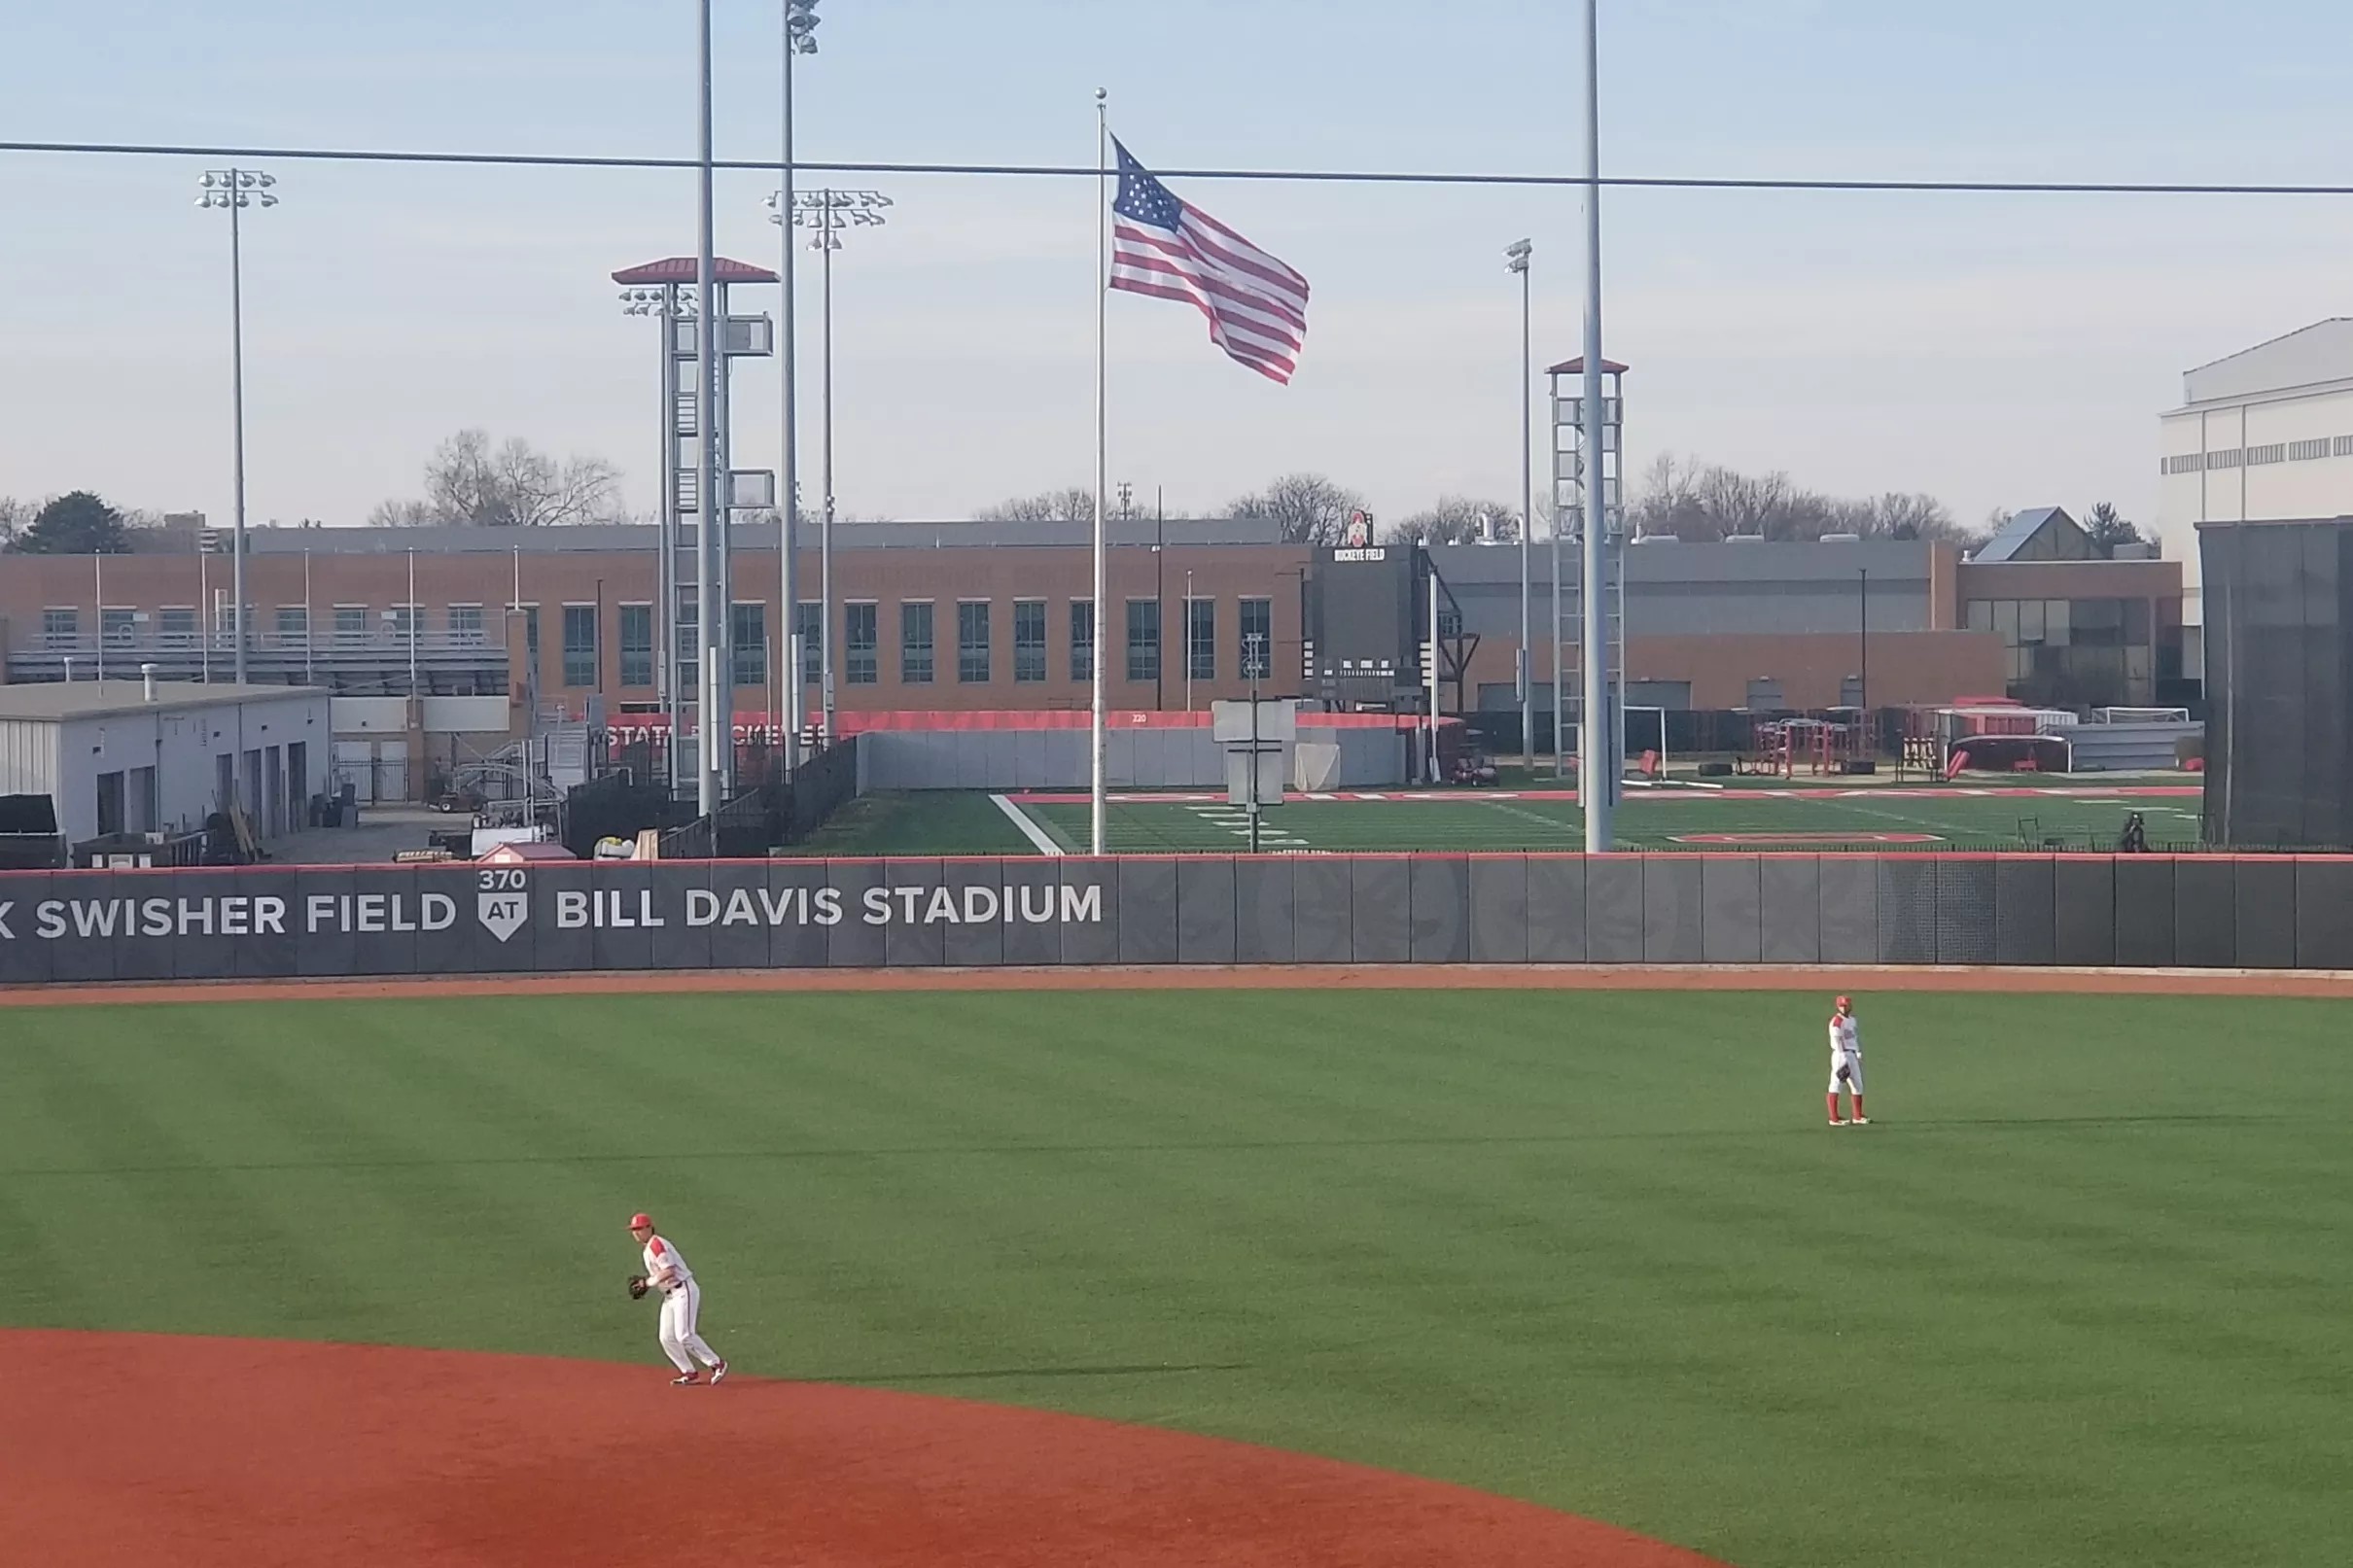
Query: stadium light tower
[(668, 305), (800, 38), (826, 213), (1516, 256), (234, 190)]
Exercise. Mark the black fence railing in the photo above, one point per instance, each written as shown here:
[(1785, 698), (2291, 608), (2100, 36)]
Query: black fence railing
[(776, 807), (620, 805), (825, 784)]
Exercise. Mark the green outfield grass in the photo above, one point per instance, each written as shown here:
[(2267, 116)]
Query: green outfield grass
[(943, 822), (2078, 1299), (918, 823)]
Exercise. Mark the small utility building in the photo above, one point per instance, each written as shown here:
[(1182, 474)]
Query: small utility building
[(131, 757)]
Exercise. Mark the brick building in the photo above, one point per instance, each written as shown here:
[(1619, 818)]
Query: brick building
[(958, 615), (995, 616)]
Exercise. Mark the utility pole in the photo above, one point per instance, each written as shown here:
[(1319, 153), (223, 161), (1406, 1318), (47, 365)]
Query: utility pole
[(1519, 253)]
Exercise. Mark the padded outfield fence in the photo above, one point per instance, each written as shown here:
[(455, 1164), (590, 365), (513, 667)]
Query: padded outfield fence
[(2132, 911)]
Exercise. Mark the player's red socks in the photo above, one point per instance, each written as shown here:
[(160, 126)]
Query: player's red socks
[(1833, 1098), (1858, 1108)]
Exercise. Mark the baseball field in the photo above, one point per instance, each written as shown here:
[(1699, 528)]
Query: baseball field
[(2077, 1297)]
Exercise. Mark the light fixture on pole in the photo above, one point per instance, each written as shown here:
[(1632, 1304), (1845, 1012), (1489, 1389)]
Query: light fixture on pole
[(234, 190), (1518, 255), (826, 213), (800, 38)]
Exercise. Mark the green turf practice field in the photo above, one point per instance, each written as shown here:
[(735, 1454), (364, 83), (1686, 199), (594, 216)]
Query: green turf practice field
[(1882, 818), (2078, 1298)]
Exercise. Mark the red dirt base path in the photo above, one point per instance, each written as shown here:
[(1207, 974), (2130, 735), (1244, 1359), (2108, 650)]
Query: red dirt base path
[(137, 1450)]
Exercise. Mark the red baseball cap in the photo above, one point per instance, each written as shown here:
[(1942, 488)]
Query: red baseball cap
[(1843, 1002), (644, 1220)]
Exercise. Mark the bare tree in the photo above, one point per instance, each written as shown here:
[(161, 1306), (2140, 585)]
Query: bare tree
[(1458, 520), (1748, 503), (1911, 515), (1669, 503), (403, 514), (471, 484), (15, 516), (1701, 503), (1309, 508), (1074, 504)]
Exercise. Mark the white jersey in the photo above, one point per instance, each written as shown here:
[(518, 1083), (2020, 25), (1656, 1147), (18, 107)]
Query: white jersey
[(1846, 1039), (661, 1255)]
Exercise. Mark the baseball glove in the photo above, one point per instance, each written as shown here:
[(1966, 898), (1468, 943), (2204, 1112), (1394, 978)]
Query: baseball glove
[(637, 1287)]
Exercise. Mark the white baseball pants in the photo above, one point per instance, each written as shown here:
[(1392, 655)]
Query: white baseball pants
[(683, 1346)]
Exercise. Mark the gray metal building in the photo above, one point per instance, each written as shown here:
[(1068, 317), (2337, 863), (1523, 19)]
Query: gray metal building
[(117, 756)]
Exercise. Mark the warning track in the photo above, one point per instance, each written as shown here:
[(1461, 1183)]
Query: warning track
[(2323, 983)]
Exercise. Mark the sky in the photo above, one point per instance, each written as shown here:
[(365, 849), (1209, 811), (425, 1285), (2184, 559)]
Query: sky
[(1996, 351)]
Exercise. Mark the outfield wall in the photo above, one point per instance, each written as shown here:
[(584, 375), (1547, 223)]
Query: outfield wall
[(2133, 911)]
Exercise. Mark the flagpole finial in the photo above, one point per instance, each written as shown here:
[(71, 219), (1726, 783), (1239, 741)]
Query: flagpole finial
[(1103, 94)]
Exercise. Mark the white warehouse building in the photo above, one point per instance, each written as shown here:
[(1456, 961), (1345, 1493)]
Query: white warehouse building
[(2264, 434), (124, 757)]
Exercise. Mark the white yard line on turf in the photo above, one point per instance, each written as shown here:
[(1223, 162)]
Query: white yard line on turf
[(1029, 828), (1551, 825)]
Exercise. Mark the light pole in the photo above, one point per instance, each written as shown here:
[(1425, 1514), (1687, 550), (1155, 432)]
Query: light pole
[(1862, 679), (1518, 255), (1596, 773), (236, 190), (1187, 642), (412, 618), (1255, 649), (828, 213), (1560, 663), (711, 479), (800, 38)]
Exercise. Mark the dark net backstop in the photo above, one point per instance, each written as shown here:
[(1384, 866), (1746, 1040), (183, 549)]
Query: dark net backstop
[(2277, 667)]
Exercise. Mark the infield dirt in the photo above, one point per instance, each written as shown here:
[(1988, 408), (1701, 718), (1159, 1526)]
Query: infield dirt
[(130, 1450)]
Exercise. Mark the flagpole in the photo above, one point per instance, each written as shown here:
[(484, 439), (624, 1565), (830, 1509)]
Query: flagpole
[(1096, 742)]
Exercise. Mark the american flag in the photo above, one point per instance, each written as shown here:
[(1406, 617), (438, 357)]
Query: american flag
[(1172, 250)]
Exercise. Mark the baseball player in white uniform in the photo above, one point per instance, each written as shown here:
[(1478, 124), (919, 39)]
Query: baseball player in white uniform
[(666, 1271), (1845, 1064)]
